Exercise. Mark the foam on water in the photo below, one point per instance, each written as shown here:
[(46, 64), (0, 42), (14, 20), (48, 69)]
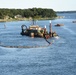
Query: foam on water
[(57, 37)]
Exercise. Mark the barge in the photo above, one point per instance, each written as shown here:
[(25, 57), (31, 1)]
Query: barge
[(37, 31)]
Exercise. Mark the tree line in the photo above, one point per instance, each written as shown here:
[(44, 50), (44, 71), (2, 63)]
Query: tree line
[(31, 12)]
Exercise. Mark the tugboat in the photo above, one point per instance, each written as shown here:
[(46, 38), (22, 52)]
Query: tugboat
[(37, 31)]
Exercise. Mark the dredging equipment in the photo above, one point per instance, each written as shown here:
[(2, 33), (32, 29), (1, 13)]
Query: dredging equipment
[(37, 31)]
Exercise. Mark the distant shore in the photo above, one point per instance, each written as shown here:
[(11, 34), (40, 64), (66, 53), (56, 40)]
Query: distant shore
[(24, 19), (8, 20)]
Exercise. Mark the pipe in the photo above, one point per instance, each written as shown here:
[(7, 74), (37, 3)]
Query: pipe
[(50, 29)]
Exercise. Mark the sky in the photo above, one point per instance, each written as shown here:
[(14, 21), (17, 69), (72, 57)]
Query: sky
[(56, 5)]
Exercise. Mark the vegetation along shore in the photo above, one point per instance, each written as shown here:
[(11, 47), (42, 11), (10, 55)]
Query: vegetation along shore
[(26, 14)]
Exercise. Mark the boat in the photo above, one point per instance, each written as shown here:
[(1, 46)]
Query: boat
[(74, 21), (37, 31), (59, 25)]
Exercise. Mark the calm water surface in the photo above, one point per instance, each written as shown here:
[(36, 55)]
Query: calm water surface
[(56, 59)]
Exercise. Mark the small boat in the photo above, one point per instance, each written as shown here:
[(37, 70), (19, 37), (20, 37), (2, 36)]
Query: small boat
[(74, 21), (59, 25)]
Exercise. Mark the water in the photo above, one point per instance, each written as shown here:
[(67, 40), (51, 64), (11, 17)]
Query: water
[(67, 15), (58, 58)]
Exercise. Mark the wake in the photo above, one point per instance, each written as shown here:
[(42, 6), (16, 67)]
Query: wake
[(72, 32)]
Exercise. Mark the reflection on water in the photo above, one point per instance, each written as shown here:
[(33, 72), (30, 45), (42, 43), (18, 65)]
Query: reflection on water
[(58, 58)]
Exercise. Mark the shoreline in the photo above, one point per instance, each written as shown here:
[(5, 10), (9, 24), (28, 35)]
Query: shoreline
[(28, 19)]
